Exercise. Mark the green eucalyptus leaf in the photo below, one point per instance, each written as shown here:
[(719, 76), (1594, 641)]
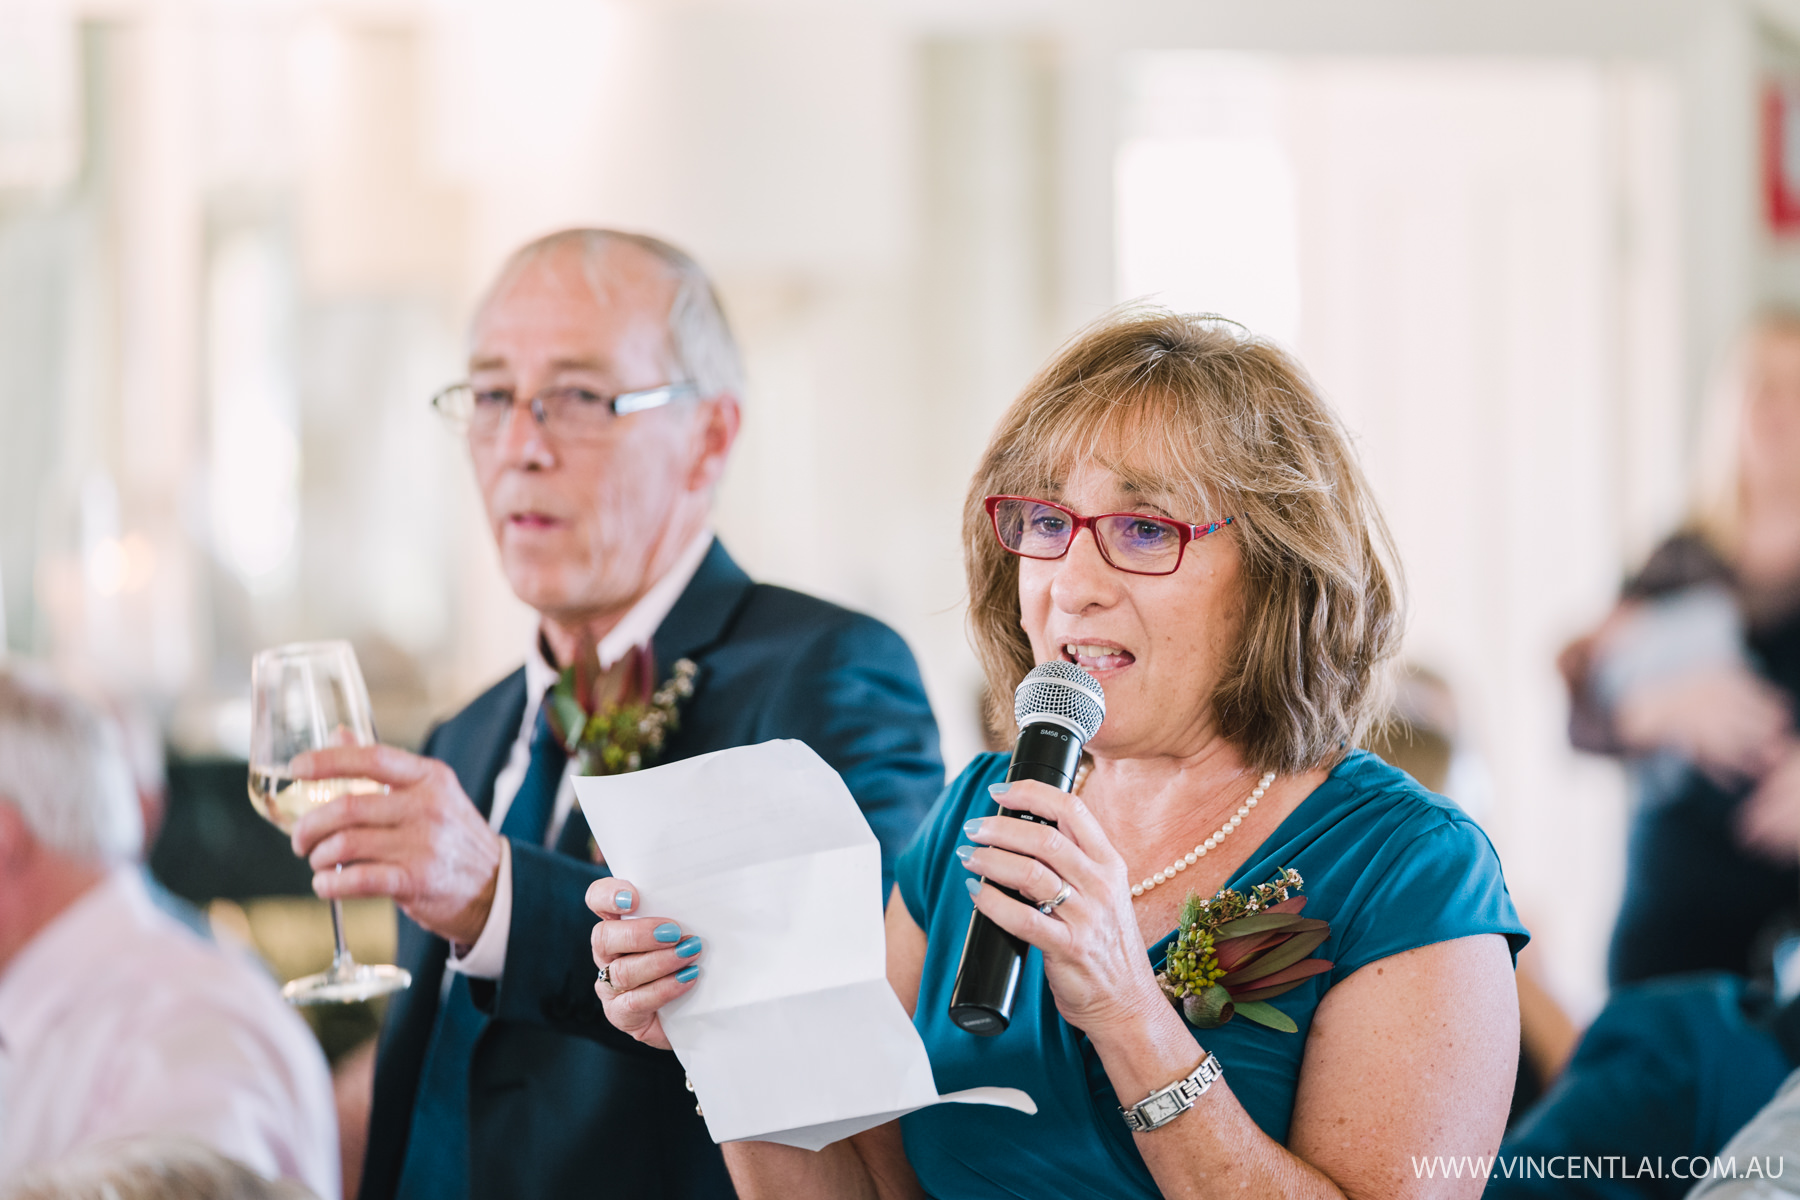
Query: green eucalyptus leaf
[(1266, 922), (1262, 922), (1264, 1013), (568, 717)]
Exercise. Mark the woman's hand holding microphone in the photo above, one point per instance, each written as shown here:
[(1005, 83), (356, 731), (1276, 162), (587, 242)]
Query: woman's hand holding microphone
[(1093, 951), (644, 962)]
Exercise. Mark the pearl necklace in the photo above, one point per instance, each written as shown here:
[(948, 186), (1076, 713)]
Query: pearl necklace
[(1198, 852)]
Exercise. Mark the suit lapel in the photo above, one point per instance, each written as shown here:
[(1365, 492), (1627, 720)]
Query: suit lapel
[(700, 617), (477, 744), (704, 612)]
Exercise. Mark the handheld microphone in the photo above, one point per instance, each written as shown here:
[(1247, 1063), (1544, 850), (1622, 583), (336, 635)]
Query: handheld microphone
[(1058, 707)]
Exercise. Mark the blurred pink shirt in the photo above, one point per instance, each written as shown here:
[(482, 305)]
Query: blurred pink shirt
[(116, 1021)]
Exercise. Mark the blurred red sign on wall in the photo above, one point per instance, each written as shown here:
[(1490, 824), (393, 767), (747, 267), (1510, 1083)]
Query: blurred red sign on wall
[(1781, 155)]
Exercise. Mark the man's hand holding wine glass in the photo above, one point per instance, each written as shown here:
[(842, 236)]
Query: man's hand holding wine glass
[(421, 841), (309, 697)]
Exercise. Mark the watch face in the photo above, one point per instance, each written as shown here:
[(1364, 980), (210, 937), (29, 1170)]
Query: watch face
[(1161, 1108)]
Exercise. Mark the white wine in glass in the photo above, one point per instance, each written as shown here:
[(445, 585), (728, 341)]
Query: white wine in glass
[(311, 696), (283, 800)]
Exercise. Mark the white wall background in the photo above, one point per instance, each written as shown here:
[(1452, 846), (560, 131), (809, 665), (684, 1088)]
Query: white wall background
[(1478, 261), (1520, 235)]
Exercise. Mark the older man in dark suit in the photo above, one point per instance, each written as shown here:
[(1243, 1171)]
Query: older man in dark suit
[(601, 406)]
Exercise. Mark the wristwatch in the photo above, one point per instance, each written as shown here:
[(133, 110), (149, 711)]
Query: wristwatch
[(1165, 1104)]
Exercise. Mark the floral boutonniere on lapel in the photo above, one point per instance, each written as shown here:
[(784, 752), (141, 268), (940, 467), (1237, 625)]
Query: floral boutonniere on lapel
[(1235, 952), (615, 721)]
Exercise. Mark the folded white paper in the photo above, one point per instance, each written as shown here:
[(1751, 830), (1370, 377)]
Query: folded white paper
[(792, 1034)]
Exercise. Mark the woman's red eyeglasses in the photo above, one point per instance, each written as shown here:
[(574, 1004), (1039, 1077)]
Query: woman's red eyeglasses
[(1134, 542)]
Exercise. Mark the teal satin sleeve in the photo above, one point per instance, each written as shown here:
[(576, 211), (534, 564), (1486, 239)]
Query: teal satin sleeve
[(1445, 883)]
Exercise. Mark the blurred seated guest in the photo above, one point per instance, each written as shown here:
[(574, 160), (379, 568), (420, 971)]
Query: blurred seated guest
[(149, 1168), (141, 740), (1422, 735), (1693, 679), (1670, 1068), (1770, 1140), (115, 1020), (1172, 506), (601, 408)]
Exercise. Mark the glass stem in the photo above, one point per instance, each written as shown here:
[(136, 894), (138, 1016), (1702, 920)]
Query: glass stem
[(340, 958)]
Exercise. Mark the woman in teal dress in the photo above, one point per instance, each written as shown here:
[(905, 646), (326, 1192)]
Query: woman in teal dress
[(1235, 595)]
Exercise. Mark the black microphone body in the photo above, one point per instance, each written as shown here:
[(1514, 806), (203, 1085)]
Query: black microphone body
[(1048, 751)]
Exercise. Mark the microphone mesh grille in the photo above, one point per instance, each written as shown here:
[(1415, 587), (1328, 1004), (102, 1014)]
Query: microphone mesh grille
[(1060, 689)]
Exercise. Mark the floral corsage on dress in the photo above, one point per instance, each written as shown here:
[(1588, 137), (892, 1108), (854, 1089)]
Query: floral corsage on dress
[(1235, 952)]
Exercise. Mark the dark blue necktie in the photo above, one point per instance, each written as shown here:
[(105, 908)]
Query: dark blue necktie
[(437, 1148)]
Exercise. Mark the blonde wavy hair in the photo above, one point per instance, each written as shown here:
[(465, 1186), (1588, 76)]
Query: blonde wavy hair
[(1716, 513), (1196, 407)]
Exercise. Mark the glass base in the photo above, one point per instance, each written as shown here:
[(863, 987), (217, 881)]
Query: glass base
[(346, 984)]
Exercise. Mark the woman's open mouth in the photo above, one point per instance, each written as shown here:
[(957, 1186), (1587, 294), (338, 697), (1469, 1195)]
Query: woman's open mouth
[(1094, 657)]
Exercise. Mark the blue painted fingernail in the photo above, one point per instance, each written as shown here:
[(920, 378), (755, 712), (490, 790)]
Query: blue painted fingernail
[(974, 887), (687, 974), (689, 947), (623, 899), (668, 931), (965, 852), (997, 790), (972, 829)]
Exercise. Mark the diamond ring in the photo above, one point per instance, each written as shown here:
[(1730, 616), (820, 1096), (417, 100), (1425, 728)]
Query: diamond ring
[(1053, 903)]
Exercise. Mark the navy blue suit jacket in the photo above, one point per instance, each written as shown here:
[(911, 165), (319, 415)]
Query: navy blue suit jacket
[(560, 1102)]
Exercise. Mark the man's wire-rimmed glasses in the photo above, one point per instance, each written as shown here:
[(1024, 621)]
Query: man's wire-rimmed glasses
[(567, 412), (1137, 543)]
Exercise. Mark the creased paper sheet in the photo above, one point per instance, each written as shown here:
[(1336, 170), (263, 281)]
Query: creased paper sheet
[(792, 1034)]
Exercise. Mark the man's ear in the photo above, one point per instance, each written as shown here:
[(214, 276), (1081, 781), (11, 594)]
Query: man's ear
[(718, 421), (16, 839)]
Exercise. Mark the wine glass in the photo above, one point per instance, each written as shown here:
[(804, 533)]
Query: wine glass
[(310, 696)]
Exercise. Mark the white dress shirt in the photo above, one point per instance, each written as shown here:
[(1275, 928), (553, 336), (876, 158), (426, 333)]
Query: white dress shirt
[(487, 957), (116, 1021)]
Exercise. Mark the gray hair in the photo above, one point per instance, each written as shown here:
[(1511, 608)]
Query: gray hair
[(149, 1168), (62, 767), (700, 339)]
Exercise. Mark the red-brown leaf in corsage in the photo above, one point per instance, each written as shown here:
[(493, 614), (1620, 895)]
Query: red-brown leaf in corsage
[(1235, 950), (1281, 981), (1245, 948), (1291, 950), (587, 670)]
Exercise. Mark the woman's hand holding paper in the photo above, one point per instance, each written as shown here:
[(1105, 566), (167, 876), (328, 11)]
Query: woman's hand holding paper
[(644, 962)]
